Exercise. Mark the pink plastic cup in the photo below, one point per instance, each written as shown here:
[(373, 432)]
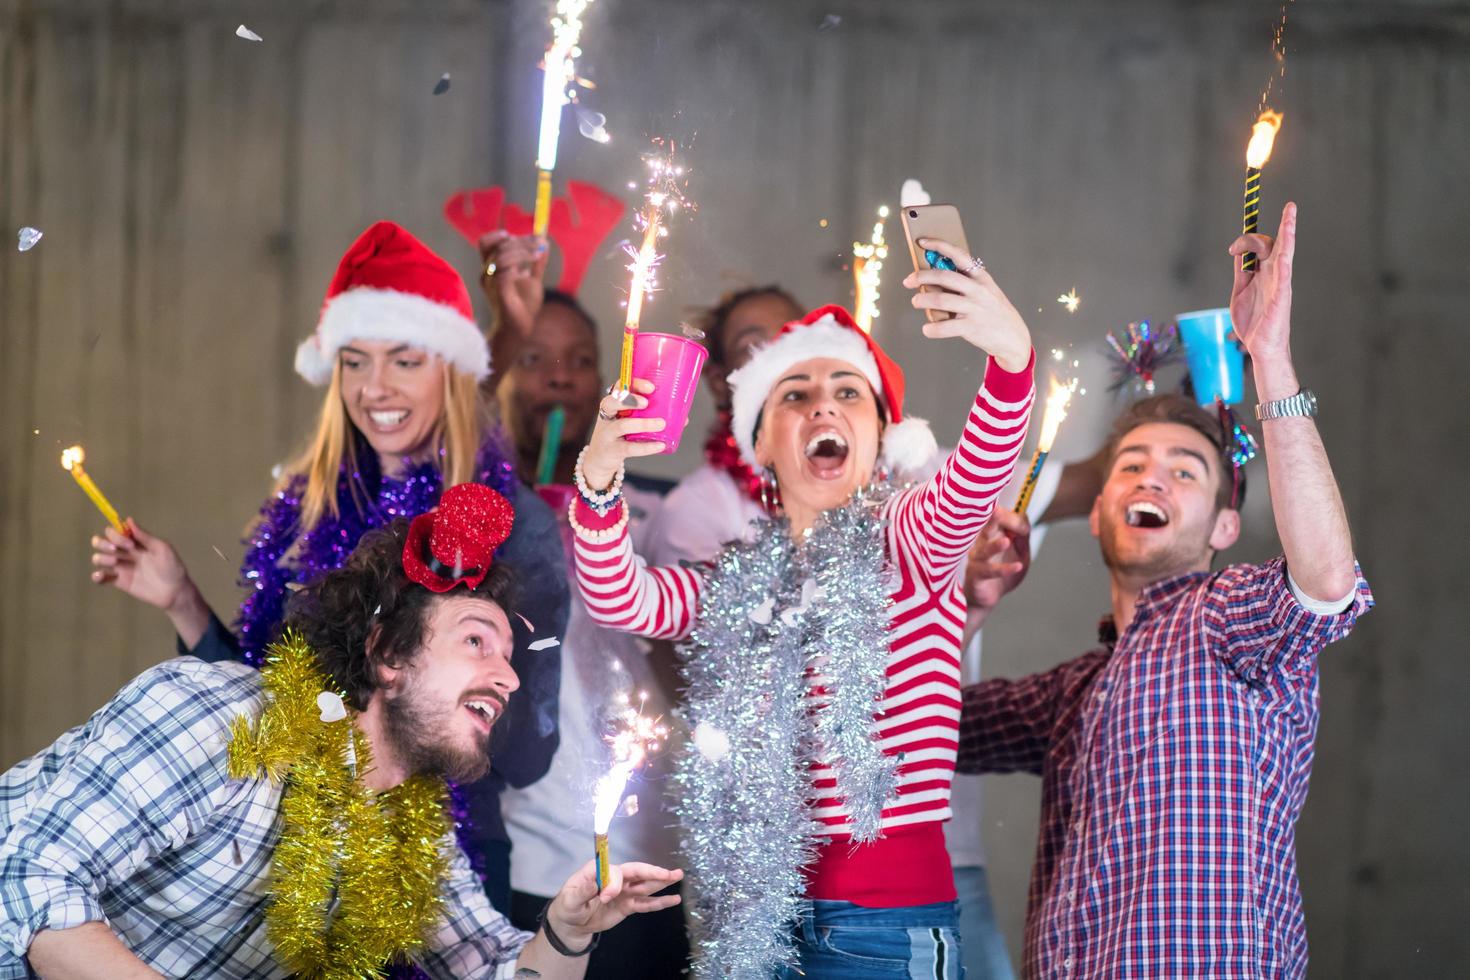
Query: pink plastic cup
[(673, 365)]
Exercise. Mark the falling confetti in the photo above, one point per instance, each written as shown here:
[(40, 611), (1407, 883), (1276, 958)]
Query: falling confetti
[(630, 805), (830, 22), (442, 86), (29, 237), (1070, 300), (545, 644), (592, 125), (247, 33), (530, 626), (220, 553), (711, 742), (690, 330), (912, 193)]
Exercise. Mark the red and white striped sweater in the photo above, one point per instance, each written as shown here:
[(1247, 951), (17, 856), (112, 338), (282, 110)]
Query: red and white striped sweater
[(930, 530)]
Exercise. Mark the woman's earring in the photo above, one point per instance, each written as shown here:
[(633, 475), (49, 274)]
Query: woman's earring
[(770, 491)]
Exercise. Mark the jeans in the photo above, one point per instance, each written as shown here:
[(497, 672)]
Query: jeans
[(843, 941), (986, 956)]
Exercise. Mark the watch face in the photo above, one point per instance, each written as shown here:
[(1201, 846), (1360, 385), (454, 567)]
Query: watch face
[(1310, 402)]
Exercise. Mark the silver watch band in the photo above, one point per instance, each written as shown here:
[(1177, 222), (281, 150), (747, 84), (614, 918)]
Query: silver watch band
[(1302, 404)]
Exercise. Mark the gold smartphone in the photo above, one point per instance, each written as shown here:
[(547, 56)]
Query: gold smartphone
[(940, 221)]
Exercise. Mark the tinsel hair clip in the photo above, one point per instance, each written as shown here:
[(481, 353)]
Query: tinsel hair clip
[(1139, 354), (1242, 445)]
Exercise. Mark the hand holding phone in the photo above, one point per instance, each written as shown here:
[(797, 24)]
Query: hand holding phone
[(925, 221)]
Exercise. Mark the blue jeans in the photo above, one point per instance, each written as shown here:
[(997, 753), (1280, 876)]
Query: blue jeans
[(986, 956), (843, 941)]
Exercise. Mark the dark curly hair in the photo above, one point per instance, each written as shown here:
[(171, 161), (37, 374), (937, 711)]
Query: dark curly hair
[(1179, 410), (339, 612), (714, 320)]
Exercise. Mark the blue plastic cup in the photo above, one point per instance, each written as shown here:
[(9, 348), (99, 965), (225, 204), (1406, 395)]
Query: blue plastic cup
[(1216, 364)]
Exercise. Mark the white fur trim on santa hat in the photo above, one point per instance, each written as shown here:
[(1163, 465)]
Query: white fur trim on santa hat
[(750, 385), (909, 447), (366, 313)]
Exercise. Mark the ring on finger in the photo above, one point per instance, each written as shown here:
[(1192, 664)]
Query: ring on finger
[(605, 416), (976, 264), (490, 269)]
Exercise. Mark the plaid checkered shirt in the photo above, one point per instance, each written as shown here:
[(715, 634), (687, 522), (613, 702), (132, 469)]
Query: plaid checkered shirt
[(1174, 764), (131, 819)]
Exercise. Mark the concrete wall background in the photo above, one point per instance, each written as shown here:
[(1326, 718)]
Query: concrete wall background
[(195, 191)]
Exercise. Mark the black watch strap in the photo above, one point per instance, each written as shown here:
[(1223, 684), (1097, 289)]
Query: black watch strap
[(555, 940)]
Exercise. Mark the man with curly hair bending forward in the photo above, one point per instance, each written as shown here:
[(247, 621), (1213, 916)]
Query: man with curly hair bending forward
[(212, 820)]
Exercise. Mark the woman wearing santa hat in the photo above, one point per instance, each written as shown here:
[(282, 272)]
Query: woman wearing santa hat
[(400, 354), (822, 654)]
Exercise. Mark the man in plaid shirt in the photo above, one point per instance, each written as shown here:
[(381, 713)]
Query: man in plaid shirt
[(126, 850), (1174, 760)]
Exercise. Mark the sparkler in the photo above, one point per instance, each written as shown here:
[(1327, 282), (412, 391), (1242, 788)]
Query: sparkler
[(71, 461), (637, 737), (1263, 135), (1070, 300), (1051, 419), (867, 272), (560, 71), (665, 195)]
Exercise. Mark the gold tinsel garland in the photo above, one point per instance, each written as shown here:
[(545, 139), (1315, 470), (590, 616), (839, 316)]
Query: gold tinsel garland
[(357, 877)]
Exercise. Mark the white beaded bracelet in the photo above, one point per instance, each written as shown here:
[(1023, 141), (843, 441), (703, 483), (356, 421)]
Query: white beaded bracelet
[(595, 537), (602, 502)]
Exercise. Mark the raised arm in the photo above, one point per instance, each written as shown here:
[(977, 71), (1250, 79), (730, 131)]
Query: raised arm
[(618, 587), (942, 518), (1310, 518)]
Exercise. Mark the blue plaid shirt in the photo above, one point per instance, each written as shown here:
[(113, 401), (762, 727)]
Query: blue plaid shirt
[(1174, 763), (132, 819)]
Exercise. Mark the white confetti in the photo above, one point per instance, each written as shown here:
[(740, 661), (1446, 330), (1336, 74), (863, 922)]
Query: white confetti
[(712, 743), (761, 614), (331, 706), (29, 237), (830, 22), (630, 805), (545, 644), (247, 33), (592, 125), (913, 193)]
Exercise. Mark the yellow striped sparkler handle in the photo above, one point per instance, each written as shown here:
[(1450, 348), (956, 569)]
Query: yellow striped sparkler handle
[(1252, 214)]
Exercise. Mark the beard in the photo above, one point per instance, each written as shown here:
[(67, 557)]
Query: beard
[(1185, 550), (420, 728)]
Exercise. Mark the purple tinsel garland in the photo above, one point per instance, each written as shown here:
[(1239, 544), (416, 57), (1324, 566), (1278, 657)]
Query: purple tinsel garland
[(327, 547)]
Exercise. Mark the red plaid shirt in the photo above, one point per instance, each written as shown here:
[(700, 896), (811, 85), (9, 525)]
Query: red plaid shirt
[(1174, 764)]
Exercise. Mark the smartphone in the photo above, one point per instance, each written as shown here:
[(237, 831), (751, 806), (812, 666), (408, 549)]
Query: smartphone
[(933, 221)]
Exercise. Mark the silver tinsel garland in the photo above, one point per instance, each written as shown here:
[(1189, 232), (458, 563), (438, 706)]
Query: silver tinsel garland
[(770, 613)]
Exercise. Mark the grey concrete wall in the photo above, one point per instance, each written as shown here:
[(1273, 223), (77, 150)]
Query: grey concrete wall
[(195, 191)]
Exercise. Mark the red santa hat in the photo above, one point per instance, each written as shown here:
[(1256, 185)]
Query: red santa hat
[(391, 286), (456, 541), (908, 444)]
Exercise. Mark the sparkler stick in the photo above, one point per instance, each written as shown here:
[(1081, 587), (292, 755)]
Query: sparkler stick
[(560, 70), (1051, 420), (664, 186), (71, 461), (638, 737), (1263, 135), (867, 272)]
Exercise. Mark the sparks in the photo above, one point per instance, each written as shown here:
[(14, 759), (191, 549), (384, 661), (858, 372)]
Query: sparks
[(1263, 136), (867, 272), (664, 196), (560, 70), (637, 737), (1070, 300), (1057, 401)]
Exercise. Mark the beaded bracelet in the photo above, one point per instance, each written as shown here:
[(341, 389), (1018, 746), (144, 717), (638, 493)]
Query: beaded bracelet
[(590, 536), (600, 503), (555, 940)]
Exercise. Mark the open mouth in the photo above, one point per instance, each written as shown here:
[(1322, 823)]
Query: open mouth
[(1146, 515), (484, 711), (826, 452), (387, 421)]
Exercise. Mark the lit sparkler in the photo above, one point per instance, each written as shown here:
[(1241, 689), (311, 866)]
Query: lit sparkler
[(1070, 300), (71, 461), (1051, 420), (1263, 135), (560, 72), (867, 272), (637, 737), (665, 196)]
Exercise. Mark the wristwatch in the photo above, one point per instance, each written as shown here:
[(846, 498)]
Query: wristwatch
[(1303, 404)]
